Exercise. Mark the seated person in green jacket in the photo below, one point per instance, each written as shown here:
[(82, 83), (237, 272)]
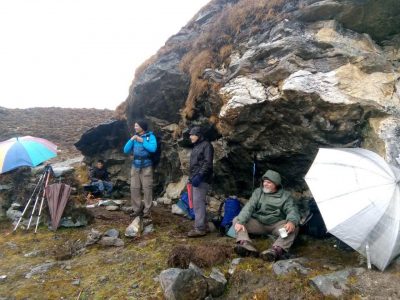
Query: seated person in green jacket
[(269, 209)]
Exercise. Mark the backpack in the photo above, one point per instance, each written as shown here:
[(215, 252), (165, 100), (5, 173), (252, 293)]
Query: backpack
[(231, 208), (156, 156), (183, 203)]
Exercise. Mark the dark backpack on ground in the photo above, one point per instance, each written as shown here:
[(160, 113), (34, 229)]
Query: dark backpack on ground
[(315, 226)]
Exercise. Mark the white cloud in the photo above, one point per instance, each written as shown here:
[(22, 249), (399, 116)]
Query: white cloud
[(80, 53)]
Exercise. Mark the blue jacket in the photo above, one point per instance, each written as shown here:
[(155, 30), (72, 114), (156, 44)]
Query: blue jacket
[(142, 151)]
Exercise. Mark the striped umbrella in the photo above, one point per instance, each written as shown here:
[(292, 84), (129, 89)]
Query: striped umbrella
[(25, 151)]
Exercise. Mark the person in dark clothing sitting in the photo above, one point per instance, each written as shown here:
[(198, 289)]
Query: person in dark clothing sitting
[(100, 179)]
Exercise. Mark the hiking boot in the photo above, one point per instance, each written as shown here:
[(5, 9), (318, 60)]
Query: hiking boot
[(273, 254), (136, 214), (245, 248), (196, 233)]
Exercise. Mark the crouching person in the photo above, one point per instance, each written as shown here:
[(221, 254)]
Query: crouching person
[(269, 209)]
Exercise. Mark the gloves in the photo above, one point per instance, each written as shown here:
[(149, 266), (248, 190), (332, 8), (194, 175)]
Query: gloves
[(197, 179)]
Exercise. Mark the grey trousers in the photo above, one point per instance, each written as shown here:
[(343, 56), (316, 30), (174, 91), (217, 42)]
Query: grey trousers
[(142, 179), (255, 227), (199, 205)]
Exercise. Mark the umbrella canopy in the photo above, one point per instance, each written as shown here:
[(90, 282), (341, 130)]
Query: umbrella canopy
[(25, 151), (358, 195), (57, 195)]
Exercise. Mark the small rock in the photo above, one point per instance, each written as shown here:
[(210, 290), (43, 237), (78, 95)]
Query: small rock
[(135, 228), (127, 209), (40, 269), (111, 241), (112, 233), (233, 265), (32, 254), (148, 229), (76, 282), (3, 278), (104, 279), (68, 267), (112, 207), (334, 284), (283, 267), (93, 237), (135, 286), (13, 214), (12, 245), (175, 209)]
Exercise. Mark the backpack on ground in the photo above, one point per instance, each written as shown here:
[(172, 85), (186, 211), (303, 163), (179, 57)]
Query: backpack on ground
[(183, 203), (232, 208)]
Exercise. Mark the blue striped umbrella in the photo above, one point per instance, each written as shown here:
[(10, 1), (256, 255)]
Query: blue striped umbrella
[(25, 151)]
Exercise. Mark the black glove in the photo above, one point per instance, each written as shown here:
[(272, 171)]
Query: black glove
[(197, 179)]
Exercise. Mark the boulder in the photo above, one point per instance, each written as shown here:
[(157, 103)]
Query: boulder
[(216, 283), (183, 284), (174, 190)]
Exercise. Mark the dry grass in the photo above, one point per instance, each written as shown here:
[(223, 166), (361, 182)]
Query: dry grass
[(201, 255)]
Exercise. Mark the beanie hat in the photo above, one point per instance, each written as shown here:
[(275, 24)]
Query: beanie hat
[(273, 176), (196, 130), (142, 124)]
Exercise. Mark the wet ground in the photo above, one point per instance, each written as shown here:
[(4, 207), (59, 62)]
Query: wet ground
[(130, 272)]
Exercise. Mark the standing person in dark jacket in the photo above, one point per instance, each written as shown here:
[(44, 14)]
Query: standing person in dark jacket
[(141, 145), (99, 177), (200, 175)]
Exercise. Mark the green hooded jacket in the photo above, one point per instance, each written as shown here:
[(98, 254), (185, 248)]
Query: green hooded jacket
[(270, 208)]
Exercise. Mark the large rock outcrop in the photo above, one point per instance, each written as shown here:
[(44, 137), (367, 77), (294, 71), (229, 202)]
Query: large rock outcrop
[(272, 81)]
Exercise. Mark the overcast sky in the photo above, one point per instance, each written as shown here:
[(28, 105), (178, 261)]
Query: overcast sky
[(81, 53)]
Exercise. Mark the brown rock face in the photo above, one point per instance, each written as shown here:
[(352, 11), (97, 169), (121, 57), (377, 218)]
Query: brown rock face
[(272, 81)]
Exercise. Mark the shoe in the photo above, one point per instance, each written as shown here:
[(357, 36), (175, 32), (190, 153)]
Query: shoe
[(196, 233), (273, 254), (245, 248), (136, 214)]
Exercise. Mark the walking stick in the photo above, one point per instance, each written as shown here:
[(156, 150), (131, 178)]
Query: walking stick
[(30, 199), (44, 193), (34, 206)]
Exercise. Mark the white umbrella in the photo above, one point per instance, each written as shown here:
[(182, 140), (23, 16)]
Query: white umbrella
[(358, 195)]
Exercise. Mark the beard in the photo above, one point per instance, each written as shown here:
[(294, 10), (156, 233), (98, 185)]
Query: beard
[(267, 191)]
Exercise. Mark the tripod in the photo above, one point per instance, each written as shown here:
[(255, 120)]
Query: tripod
[(38, 191)]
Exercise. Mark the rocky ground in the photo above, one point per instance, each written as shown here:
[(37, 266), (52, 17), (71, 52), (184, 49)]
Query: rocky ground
[(58, 265), (62, 126)]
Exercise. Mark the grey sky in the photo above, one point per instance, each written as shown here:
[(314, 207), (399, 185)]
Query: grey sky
[(80, 53)]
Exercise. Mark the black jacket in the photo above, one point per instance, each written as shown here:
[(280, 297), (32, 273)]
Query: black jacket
[(99, 174), (201, 160)]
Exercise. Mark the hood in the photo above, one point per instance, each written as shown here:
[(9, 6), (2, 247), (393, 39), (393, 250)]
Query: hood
[(273, 176)]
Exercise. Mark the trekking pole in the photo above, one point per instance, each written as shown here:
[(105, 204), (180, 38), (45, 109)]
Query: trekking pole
[(44, 194), (29, 201), (35, 204)]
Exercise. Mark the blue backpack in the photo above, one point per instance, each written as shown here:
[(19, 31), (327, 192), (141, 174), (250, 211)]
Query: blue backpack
[(183, 203), (232, 208)]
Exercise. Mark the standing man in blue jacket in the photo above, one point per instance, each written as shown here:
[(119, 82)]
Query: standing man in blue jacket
[(142, 144)]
